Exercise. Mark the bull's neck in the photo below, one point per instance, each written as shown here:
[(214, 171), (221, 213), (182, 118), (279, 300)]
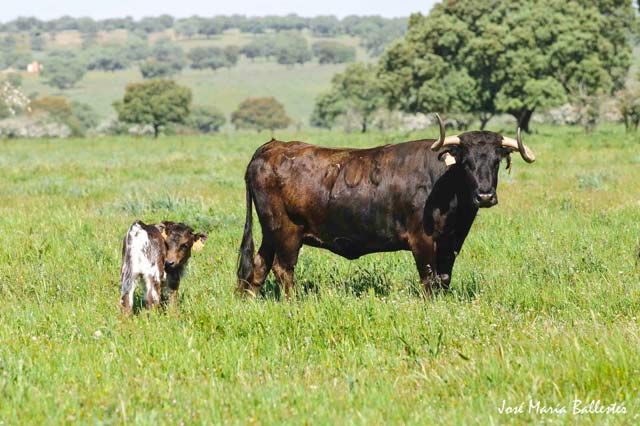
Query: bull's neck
[(452, 189)]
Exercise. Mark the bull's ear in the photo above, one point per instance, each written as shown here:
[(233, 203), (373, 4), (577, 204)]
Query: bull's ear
[(509, 164), (198, 241), (449, 155)]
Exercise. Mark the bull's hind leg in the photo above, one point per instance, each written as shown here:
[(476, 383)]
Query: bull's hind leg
[(282, 276), (262, 262), (288, 246)]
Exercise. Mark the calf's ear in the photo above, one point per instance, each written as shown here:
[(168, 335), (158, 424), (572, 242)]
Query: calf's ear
[(162, 228), (198, 241)]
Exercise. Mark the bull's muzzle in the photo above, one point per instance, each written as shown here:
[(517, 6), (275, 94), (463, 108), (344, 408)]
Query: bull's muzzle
[(486, 199)]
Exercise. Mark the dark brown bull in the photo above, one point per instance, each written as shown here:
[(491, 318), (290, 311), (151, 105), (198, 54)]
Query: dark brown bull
[(421, 196)]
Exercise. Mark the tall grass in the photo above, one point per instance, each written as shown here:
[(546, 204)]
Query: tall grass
[(544, 301)]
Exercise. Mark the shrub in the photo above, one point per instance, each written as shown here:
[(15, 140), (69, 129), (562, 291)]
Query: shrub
[(206, 119), (259, 114), (12, 100), (331, 52), (207, 57), (154, 69), (107, 59), (259, 47), (135, 49), (292, 49), (77, 116)]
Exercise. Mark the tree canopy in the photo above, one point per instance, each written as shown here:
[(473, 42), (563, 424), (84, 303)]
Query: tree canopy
[(259, 114), (107, 58), (213, 57), (63, 69), (510, 56), (291, 49), (154, 102), (331, 52), (356, 90)]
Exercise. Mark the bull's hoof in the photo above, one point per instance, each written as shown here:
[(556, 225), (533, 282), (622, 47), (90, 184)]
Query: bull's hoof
[(248, 291), (442, 282), (437, 284)]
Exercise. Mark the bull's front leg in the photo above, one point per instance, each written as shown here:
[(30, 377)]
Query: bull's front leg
[(445, 258), (424, 254)]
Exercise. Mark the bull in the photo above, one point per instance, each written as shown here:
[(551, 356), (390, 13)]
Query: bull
[(421, 196)]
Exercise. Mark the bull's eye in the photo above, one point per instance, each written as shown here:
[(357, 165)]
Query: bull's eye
[(185, 246)]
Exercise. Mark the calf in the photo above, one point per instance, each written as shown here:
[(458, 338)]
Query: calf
[(158, 254)]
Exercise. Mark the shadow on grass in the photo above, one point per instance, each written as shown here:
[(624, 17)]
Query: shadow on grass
[(139, 307), (364, 281), (357, 284)]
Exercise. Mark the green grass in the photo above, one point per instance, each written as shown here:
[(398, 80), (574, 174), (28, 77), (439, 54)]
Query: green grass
[(544, 304)]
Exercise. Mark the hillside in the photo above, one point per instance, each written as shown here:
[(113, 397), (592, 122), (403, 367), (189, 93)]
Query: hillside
[(295, 86)]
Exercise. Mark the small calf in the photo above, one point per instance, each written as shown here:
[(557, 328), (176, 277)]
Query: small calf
[(158, 254)]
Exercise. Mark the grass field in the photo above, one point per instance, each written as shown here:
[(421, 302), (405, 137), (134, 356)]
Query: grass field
[(544, 304)]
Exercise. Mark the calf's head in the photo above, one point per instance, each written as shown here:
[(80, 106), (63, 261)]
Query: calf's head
[(478, 154), (180, 239)]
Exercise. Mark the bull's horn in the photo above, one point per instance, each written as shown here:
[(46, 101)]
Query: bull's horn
[(517, 145), (448, 140)]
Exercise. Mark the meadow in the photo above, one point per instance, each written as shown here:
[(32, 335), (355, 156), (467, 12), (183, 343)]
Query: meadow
[(544, 303)]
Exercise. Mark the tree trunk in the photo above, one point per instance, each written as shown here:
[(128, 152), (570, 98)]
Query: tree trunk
[(625, 117), (156, 130), (364, 126), (523, 117), (484, 119)]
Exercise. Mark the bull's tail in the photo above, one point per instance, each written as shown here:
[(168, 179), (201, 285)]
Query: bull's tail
[(245, 257)]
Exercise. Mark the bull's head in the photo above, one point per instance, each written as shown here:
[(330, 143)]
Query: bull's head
[(479, 154)]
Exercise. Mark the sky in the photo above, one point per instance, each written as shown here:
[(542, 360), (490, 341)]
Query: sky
[(100, 9)]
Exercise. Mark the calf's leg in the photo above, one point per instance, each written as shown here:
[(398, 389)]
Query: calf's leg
[(128, 287), (152, 291)]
